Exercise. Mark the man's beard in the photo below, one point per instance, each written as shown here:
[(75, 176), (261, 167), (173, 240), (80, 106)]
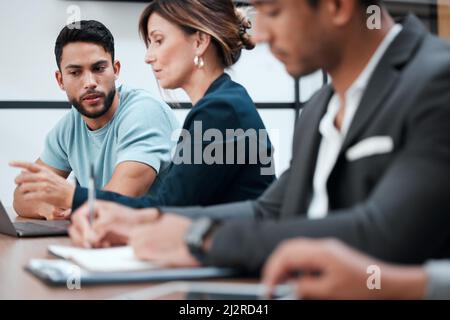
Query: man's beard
[(94, 115)]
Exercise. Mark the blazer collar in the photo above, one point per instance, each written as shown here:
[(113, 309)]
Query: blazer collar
[(385, 76), (218, 82)]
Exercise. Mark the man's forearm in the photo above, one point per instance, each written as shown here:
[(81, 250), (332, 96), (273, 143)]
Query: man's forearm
[(247, 244), (402, 282), (130, 181), (81, 195), (128, 189), (236, 210)]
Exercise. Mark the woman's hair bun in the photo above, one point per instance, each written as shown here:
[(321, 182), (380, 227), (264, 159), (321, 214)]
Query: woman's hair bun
[(244, 25)]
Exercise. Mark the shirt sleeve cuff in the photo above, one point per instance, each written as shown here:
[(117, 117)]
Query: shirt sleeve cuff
[(438, 274), (79, 197)]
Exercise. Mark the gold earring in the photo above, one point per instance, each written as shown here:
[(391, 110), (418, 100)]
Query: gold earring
[(199, 62)]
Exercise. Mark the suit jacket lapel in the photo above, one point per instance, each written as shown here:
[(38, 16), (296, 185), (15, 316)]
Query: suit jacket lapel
[(385, 77), (380, 85)]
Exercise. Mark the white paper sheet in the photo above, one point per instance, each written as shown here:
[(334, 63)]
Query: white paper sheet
[(117, 259)]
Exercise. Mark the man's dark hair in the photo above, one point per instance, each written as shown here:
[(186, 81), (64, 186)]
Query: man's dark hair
[(89, 31)]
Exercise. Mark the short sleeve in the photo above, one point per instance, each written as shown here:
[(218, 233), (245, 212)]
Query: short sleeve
[(145, 132), (55, 149)]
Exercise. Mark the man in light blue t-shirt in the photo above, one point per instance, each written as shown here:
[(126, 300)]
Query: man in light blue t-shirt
[(125, 133)]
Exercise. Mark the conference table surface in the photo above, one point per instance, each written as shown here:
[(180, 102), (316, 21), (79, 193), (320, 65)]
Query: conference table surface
[(17, 283)]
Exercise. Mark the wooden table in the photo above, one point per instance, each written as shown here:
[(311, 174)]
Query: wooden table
[(16, 283)]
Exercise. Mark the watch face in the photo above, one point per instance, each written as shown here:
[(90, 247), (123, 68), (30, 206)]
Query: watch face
[(194, 240)]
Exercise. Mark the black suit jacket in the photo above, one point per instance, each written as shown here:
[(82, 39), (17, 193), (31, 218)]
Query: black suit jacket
[(393, 205)]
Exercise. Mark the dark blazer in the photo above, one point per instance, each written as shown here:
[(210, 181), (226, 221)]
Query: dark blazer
[(225, 105), (395, 204)]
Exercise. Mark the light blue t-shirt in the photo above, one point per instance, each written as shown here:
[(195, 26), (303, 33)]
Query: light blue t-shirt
[(140, 131)]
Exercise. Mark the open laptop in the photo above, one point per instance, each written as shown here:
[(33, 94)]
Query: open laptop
[(37, 228)]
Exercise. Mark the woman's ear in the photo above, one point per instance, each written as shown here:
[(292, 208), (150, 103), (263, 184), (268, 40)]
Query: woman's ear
[(201, 42)]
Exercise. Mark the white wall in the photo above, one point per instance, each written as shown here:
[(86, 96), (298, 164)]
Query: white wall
[(28, 30)]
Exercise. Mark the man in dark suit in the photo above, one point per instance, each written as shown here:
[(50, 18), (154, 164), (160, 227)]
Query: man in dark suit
[(371, 152)]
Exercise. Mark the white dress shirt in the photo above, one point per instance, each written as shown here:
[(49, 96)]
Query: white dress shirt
[(332, 138)]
